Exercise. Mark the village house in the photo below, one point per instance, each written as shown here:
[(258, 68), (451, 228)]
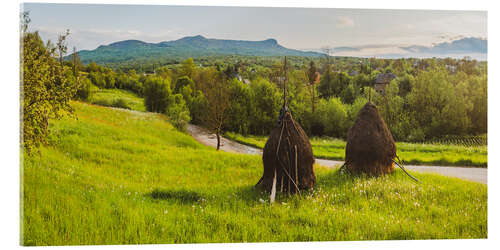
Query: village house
[(382, 80), (354, 73)]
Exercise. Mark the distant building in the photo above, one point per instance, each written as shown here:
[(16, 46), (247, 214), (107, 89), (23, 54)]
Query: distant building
[(451, 68), (382, 80)]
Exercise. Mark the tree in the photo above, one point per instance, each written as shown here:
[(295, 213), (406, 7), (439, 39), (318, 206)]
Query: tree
[(312, 77), (157, 94), (217, 96), (45, 91), (178, 112), (187, 68), (61, 46)]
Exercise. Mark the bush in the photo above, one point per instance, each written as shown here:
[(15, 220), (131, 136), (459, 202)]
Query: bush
[(116, 103), (120, 103), (83, 91), (332, 115), (178, 113), (157, 94)]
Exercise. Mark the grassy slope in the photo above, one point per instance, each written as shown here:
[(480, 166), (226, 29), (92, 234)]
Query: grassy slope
[(110, 95), (410, 153), (124, 177)]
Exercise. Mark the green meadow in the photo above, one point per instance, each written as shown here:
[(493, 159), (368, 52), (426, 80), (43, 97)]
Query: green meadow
[(116, 176), (409, 153)]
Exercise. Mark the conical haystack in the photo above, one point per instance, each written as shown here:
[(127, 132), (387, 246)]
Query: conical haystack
[(370, 147), (288, 158)]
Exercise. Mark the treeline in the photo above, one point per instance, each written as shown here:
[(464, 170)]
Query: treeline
[(428, 99)]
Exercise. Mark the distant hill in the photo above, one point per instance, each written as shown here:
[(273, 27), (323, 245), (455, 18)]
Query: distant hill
[(464, 45), (193, 46)]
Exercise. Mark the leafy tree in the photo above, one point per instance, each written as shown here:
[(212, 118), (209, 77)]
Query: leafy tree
[(311, 76), (178, 112), (240, 111), (332, 117), (436, 105), (332, 84), (479, 98), (267, 102), (349, 94), (157, 94), (182, 82), (45, 91), (217, 97), (187, 68)]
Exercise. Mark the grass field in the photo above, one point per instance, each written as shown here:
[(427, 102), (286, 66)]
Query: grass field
[(116, 176), (409, 153), (106, 97)]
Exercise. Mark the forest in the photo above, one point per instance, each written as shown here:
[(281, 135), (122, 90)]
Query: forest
[(426, 99)]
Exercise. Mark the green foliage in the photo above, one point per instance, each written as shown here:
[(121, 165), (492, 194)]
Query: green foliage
[(182, 82), (240, 113), (437, 105), (332, 84), (332, 115), (157, 94), (178, 113), (83, 90), (45, 91), (267, 102), (110, 97)]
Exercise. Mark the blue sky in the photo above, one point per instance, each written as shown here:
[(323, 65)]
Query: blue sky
[(373, 31)]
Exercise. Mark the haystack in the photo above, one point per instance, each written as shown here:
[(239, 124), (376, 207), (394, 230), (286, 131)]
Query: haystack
[(370, 147), (288, 158)]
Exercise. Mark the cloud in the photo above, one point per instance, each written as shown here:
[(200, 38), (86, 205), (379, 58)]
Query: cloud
[(462, 45), (344, 22)]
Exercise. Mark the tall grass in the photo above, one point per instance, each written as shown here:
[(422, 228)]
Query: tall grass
[(118, 98), (126, 177), (409, 153)]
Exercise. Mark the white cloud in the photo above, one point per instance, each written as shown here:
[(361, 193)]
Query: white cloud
[(344, 22)]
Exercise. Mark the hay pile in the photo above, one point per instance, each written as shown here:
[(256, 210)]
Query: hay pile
[(370, 147), (288, 158)]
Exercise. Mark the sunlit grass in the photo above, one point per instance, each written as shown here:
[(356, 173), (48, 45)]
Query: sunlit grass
[(111, 95), (124, 177)]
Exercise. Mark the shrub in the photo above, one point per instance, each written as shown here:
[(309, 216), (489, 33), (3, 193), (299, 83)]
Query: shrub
[(332, 115), (178, 113), (157, 94), (83, 91), (120, 103), (116, 103)]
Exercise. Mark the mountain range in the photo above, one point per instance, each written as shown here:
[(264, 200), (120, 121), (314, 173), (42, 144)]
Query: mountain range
[(191, 46), (468, 46)]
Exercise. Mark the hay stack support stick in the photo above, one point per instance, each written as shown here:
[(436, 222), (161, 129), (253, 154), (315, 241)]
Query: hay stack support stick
[(401, 166), (292, 164)]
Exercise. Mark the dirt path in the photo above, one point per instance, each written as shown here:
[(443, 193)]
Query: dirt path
[(467, 173)]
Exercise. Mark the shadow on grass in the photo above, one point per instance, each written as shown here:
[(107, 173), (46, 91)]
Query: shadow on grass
[(333, 179), (182, 196)]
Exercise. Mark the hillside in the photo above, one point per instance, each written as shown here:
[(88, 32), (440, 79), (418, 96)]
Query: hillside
[(194, 46), (115, 176)]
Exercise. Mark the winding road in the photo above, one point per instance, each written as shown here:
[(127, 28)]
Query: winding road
[(468, 173)]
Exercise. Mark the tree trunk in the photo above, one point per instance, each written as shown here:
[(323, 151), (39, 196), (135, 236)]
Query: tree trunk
[(313, 98), (218, 140)]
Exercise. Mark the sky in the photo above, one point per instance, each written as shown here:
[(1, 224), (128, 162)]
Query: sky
[(374, 32)]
